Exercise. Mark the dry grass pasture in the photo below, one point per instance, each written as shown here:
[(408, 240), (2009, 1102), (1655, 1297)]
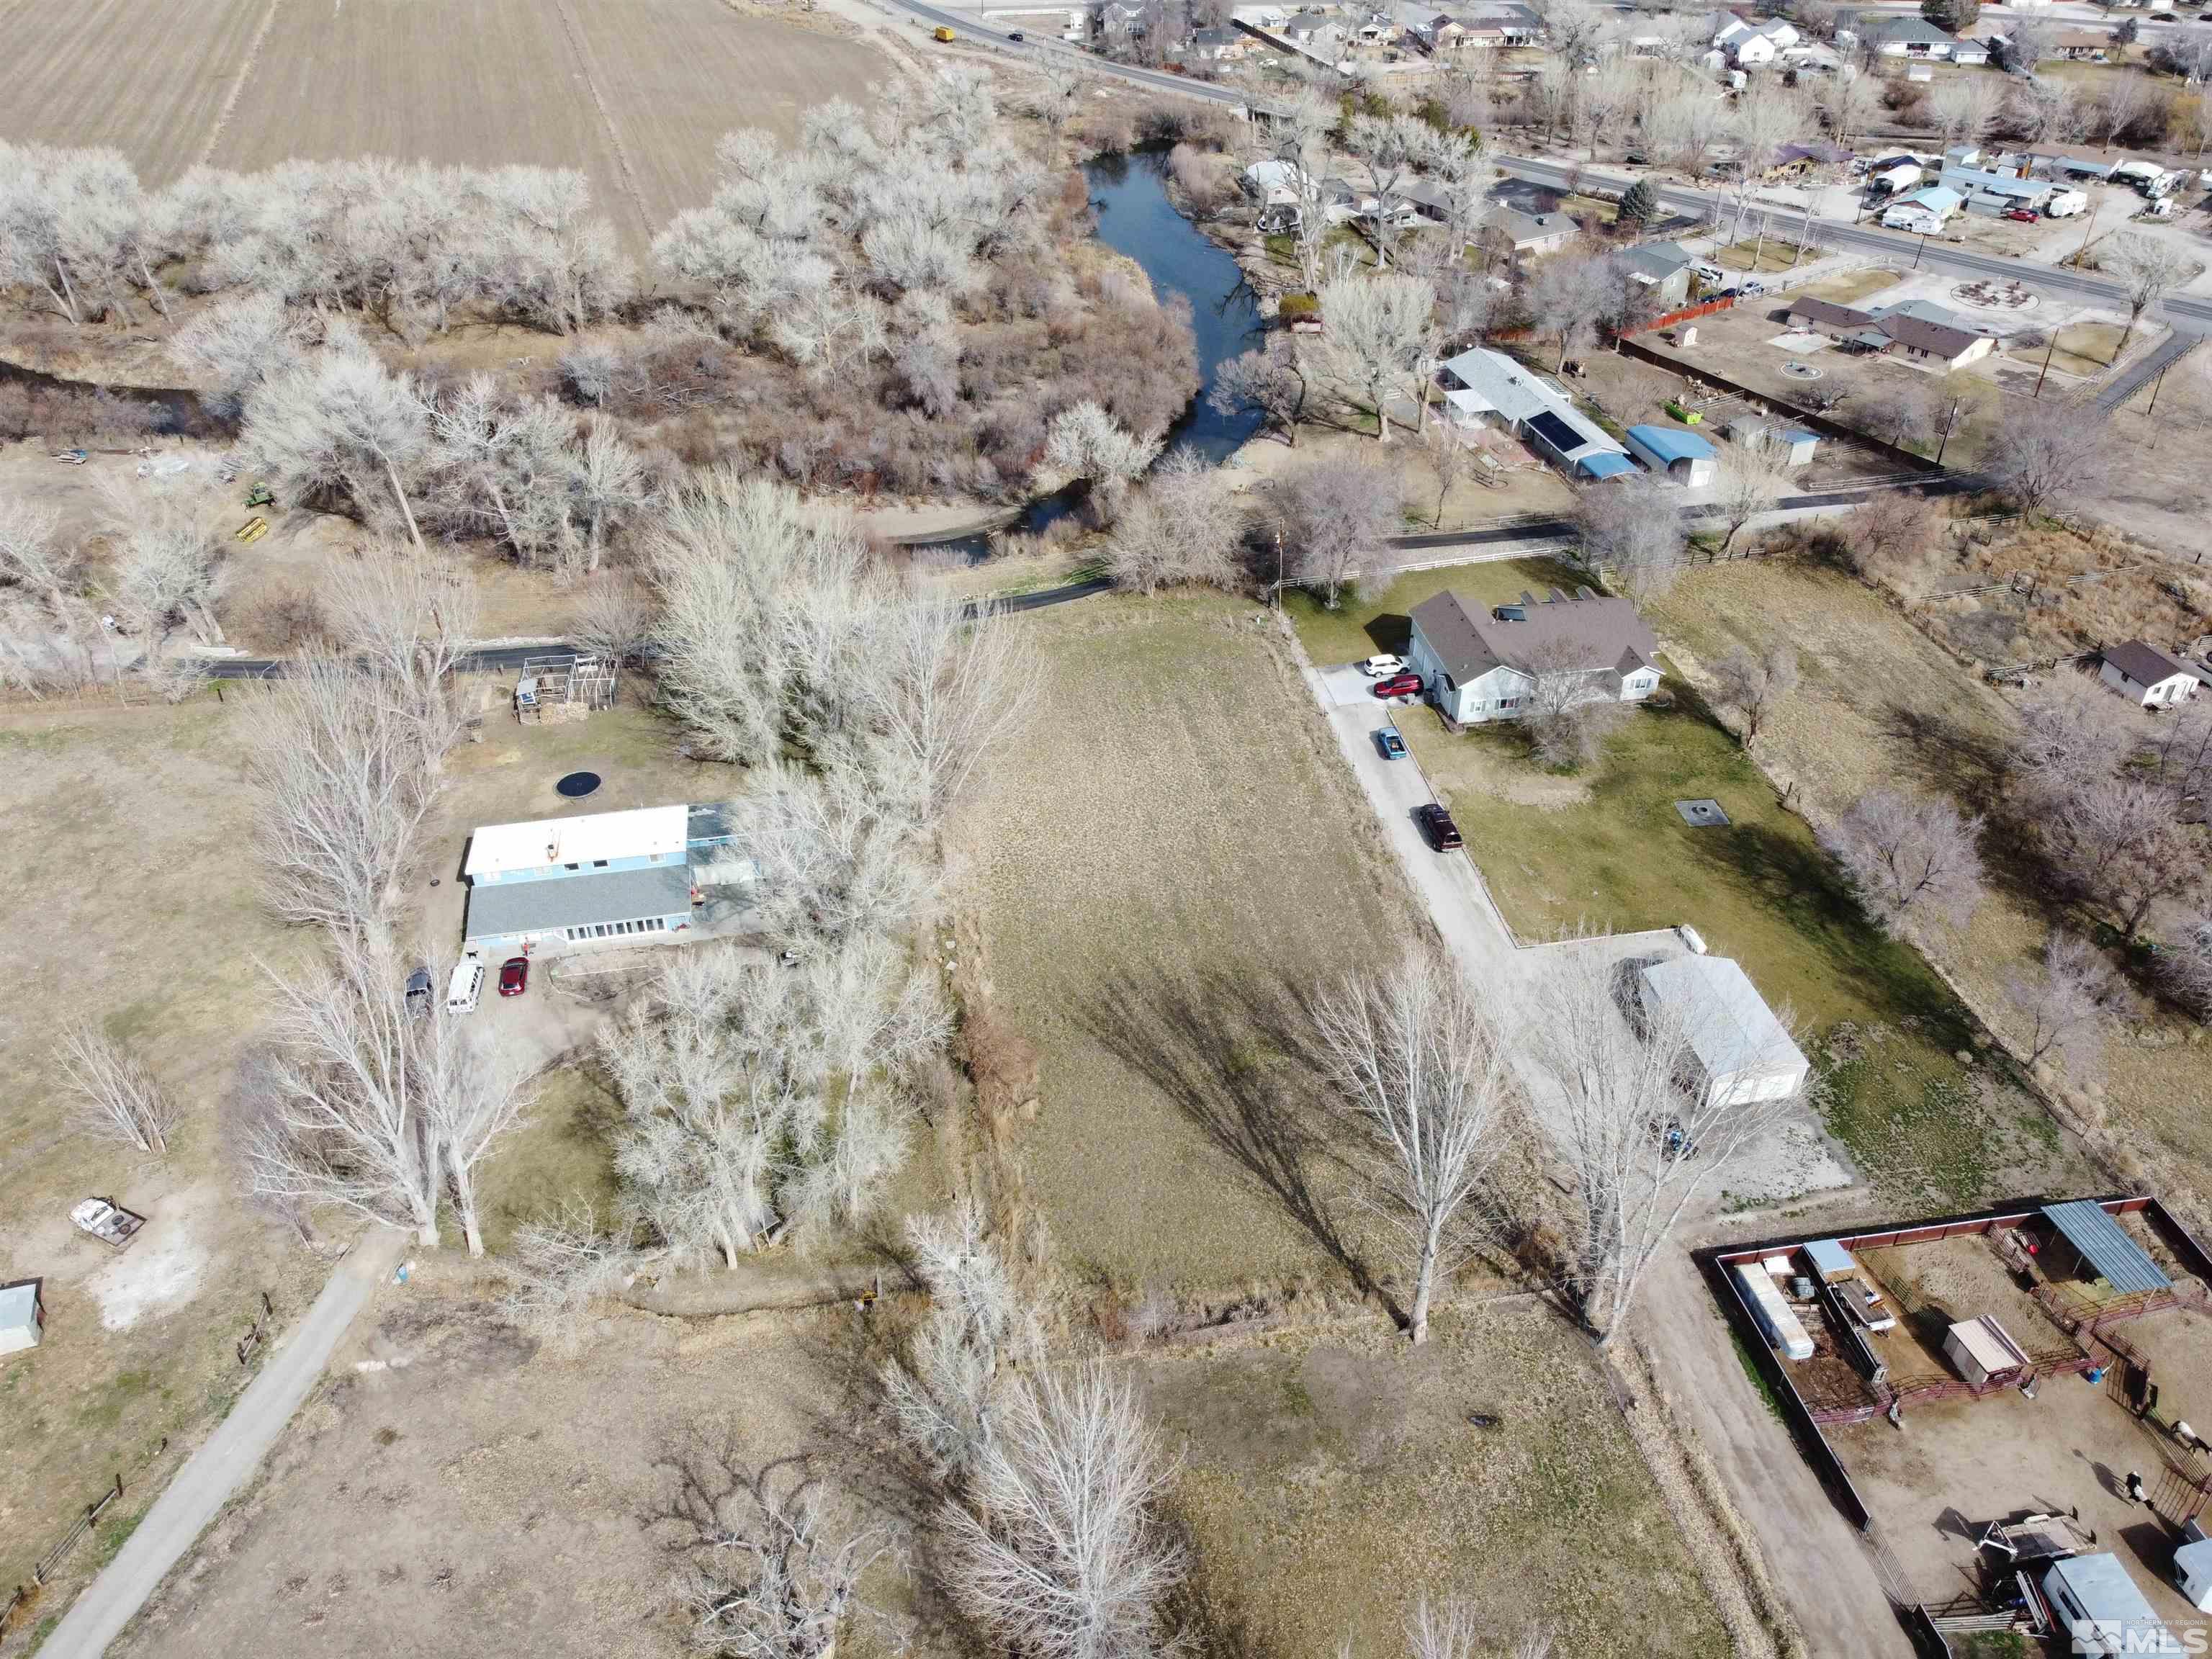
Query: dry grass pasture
[(121, 834), (633, 93), (1330, 1476), (1175, 854)]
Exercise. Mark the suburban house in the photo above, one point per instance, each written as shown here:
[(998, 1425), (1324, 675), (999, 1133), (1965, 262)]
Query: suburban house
[(1919, 332), (1739, 1051), (1428, 28), (1673, 453), (1488, 388), (2081, 45), (1492, 26), (1748, 45), (2146, 674), (1219, 45), (1483, 665), (602, 878), (1513, 234), (1907, 37), (1923, 212), (1984, 191), (1661, 269)]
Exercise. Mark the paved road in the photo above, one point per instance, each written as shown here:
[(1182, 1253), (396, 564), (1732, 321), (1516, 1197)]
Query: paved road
[(2185, 312), (219, 1469), (973, 24)]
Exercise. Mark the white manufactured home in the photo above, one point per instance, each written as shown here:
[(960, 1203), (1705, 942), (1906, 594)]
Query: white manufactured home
[(1480, 665)]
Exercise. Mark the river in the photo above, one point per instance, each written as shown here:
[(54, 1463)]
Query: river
[(1129, 194)]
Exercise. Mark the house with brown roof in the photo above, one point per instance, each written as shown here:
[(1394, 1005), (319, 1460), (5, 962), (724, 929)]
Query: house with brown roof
[(1481, 665), (2140, 672), (1906, 330)]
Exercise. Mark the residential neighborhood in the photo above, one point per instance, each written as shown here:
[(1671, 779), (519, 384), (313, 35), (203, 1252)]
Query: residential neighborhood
[(655, 661)]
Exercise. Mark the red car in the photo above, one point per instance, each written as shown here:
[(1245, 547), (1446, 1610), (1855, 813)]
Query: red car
[(1399, 685), (514, 976), (2025, 216), (1437, 826)]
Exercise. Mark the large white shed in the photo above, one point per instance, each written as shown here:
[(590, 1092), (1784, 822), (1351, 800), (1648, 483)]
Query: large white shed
[(1742, 1052), (22, 1317)]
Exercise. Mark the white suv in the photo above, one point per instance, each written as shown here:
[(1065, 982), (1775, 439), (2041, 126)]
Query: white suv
[(1381, 667)]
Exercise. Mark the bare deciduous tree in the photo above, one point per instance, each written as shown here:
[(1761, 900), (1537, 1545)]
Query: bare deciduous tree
[(1062, 1555), (407, 618), (2065, 1007), (1751, 483), (615, 618), (1377, 328), (1416, 1059), (1267, 379), (1892, 538), (1613, 1096), (335, 421), (166, 567), (558, 1266), (1910, 856), (765, 1575), (1964, 106), (1087, 442), (1183, 525), (1567, 298), (118, 1097), (236, 343), (1755, 686), (2053, 453), (32, 554), (1631, 526), (2148, 269), (1450, 457), (944, 1394), (1336, 515), (473, 1090)]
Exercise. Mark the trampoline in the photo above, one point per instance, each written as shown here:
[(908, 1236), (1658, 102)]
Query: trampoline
[(577, 785)]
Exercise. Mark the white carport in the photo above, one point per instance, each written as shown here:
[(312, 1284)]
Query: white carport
[(1742, 1050)]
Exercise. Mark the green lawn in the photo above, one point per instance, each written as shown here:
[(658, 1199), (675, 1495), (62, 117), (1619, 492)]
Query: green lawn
[(1776, 255), (1367, 623)]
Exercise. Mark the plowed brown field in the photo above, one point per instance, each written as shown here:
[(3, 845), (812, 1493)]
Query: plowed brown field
[(634, 93)]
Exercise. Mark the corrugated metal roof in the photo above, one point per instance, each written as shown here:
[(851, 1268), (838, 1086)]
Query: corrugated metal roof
[(2119, 1260), (19, 1306), (1829, 1256), (1727, 1022), (541, 843), (545, 907), (1670, 445), (1605, 463)]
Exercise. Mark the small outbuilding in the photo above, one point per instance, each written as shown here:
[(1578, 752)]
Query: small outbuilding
[(2094, 1602), (2192, 1567), (2141, 671), (1984, 1350), (23, 1316), (1682, 456), (1741, 1052), (1792, 446)]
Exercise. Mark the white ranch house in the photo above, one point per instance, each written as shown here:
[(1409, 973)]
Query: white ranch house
[(2147, 675), (1482, 666)]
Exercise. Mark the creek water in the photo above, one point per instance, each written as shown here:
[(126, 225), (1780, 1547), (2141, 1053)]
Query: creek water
[(1129, 194)]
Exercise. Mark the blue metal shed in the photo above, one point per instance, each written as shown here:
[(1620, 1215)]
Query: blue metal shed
[(1604, 464), (1683, 456), (2104, 1249)]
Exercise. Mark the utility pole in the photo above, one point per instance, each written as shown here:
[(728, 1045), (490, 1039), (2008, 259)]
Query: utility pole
[(1945, 438), (1279, 569), (2047, 350)]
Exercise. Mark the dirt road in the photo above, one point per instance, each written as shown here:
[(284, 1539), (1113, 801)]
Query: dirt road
[(1817, 1558), (215, 1472)]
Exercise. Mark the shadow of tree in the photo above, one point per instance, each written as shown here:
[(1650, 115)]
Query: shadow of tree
[(1230, 1054), (1969, 766)]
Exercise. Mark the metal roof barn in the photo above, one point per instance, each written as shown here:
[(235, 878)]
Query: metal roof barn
[(2119, 1260), (1742, 1049)]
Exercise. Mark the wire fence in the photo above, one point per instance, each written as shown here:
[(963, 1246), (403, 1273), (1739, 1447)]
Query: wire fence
[(26, 1596)]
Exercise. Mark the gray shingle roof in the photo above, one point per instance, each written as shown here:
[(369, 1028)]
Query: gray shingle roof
[(2144, 663), (584, 901), (1600, 632)]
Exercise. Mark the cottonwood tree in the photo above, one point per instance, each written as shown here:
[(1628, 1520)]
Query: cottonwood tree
[(1389, 150), (1568, 708), (408, 618), (1182, 526), (1608, 1091), (341, 783), (1450, 458), (339, 1108), (615, 619), (1751, 483), (2065, 1007), (1377, 328), (1086, 442), (1965, 106), (2146, 269), (765, 1575), (1417, 1064), (504, 466), (1266, 378), (1062, 1554), (1892, 538), (474, 1090), (1566, 299), (2185, 966), (609, 486), (1631, 526), (237, 343), (1756, 685), (2027, 42), (1334, 514), (2053, 453), (2124, 847), (946, 1394), (1849, 100), (837, 858), (1767, 115), (118, 1097), (558, 1265), (165, 566), (32, 554), (337, 422), (1911, 856)]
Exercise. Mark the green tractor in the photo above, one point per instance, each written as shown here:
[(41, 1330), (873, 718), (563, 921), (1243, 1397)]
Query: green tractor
[(260, 495)]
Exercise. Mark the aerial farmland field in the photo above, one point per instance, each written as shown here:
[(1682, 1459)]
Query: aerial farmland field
[(633, 93)]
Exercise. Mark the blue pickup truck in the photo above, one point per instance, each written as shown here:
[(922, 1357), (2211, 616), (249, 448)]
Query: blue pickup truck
[(1392, 745)]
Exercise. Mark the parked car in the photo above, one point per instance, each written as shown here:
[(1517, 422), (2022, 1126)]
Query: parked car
[(1753, 288), (1015, 35), (1392, 745), (1375, 667), (419, 991), (514, 976), (466, 985), (1437, 824), (2021, 215), (1399, 685)]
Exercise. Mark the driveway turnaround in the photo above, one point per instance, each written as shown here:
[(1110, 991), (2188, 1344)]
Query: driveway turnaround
[(213, 1473)]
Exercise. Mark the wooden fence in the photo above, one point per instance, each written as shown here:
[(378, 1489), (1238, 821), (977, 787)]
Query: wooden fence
[(26, 1595)]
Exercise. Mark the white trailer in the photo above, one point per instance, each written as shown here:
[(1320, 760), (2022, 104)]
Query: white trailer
[(1890, 180), (1774, 1315), (2066, 203)]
